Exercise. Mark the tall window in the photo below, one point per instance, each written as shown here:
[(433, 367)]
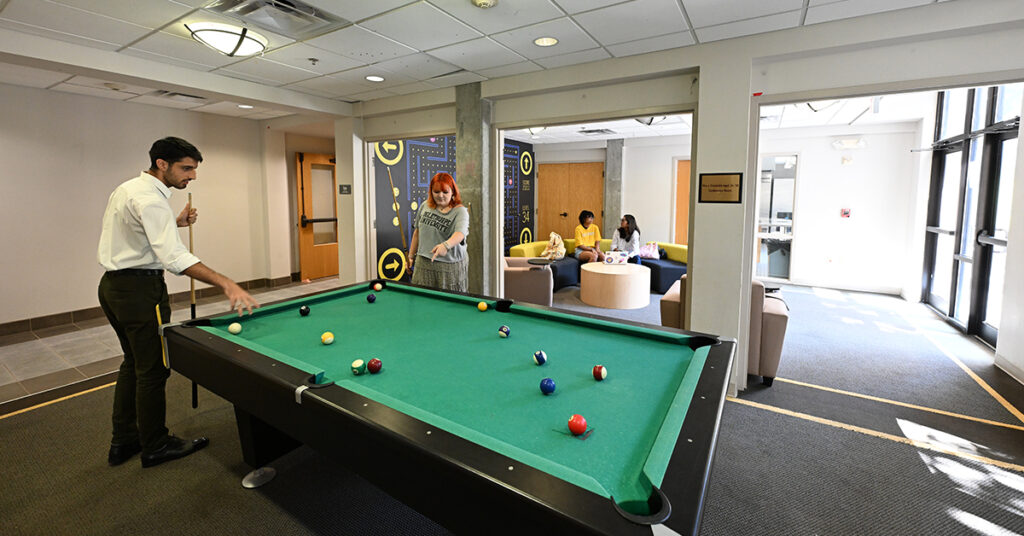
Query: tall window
[(973, 163)]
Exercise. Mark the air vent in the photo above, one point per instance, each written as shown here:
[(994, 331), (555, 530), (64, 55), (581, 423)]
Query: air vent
[(290, 18), (182, 97), (596, 132)]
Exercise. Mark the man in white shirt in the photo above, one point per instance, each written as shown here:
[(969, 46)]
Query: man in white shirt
[(138, 242)]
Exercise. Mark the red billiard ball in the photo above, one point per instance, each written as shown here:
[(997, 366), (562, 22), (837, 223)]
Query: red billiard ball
[(600, 372), (374, 365), (577, 425)]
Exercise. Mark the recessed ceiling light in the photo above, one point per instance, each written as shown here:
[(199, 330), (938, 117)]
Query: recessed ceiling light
[(545, 41), (375, 78), (484, 4), (245, 106)]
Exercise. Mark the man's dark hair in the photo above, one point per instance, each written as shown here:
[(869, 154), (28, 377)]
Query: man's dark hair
[(584, 215), (171, 150)]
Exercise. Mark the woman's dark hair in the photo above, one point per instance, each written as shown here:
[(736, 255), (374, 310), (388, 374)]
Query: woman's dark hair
[(584, 215), (171, 150), (631, 227)]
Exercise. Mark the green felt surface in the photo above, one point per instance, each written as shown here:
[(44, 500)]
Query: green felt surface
[(445, 364)]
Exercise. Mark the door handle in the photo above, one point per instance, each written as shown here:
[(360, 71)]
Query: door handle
[(564, 214), (986, 239)]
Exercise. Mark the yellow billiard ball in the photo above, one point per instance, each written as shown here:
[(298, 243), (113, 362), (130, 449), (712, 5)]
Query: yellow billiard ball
[(235, 328), (327, 337), (482, 306)]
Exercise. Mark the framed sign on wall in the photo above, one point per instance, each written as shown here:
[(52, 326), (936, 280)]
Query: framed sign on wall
[(720, 188)]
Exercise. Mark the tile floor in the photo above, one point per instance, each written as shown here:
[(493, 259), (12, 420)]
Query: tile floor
[(35, 361)]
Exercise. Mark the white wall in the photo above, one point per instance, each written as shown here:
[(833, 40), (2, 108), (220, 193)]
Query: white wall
[(870, 250), (62, 155), (648, 183), (1010, 347)]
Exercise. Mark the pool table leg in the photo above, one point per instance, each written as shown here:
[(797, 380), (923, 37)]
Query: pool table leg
[(261, 442)]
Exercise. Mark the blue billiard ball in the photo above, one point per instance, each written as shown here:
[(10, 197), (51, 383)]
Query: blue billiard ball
[(371, 298), (503, 332), (539, 357), (547, 386)]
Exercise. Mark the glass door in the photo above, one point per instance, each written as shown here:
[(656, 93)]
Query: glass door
[(968, 213)]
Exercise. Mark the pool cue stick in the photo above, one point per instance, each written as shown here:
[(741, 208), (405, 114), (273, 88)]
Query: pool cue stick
[(163, 345), (192, 306), (398, 212)]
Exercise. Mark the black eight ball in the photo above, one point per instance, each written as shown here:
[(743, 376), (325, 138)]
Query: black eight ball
[(304, 310)]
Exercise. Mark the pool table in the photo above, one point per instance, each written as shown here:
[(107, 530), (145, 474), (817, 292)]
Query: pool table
[(455, 424)]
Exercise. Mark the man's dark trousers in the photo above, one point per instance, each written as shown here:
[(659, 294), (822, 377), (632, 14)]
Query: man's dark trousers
[(129, 299)]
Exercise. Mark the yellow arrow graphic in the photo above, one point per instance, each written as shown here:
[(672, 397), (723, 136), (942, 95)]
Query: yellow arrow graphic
[(388, 146), (391, 266)]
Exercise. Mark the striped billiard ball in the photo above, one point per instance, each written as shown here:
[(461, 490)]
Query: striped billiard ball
[(539, 357), (504, 332), (600, 372)]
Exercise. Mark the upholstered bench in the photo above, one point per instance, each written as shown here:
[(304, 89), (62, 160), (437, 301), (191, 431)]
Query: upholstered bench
[(566, 271)]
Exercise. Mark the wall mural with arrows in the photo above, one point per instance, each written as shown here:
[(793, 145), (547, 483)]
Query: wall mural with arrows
[(518, 191), (402, 171)]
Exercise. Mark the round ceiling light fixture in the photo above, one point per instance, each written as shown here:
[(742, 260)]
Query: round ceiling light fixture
[(484, 4), (545, 41), (229, 40), (375, 78)]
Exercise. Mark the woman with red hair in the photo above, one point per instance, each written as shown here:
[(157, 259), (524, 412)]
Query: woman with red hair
[(437, 252)]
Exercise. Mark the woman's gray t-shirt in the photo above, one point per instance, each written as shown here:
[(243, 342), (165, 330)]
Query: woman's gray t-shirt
[(435, 227)]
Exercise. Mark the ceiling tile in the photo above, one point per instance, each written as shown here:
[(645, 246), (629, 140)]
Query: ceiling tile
[(328, 86), (370, 95), (456, 79), (509, 70), (163, 102), (418, 66), (50, 34), (421, 26), (358, 76), (636, 20), (749, 27), (63, 21), (477, 54), (149, 13), (356, 10), (269, 70), (576, 6), (93, 92), (194, 3), (504, 16), (163, 59), (819, 11), (298, 55), (652, 44), (570, 39), (168, 48), (584, 56), (711, 12), (108, 86), (28, 76), (414, 87), (361, 44)]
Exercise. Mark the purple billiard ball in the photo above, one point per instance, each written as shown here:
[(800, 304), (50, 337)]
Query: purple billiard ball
[(371, 298)]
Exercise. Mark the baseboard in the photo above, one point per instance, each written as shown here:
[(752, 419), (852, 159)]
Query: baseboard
[(1013, 370), (71, 317)]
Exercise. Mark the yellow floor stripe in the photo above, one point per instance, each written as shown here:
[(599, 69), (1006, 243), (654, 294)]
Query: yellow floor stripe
[(999, 398), (37, 406), (882, 435), (904, 404)]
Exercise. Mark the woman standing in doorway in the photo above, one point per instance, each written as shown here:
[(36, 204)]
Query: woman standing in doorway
[(437, 252)]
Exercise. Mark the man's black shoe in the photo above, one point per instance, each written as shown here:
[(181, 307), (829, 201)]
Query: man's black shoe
[(172, 450), (122, 453)]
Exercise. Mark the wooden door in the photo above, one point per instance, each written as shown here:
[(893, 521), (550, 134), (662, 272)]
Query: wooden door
[(563, 191), (316, 188), (682, 201)]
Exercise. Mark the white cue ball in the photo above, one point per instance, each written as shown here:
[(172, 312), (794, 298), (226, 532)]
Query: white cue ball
[(235, 328)]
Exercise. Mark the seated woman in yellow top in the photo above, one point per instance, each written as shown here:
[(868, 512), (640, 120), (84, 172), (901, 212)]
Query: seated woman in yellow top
[(588, 237)]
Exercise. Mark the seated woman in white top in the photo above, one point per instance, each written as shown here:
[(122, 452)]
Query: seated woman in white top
[(627, 238)]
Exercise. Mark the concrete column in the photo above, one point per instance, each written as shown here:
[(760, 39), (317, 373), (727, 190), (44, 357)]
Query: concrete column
[(353, 231), (721, 237), (612, 187), (473, 173)]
